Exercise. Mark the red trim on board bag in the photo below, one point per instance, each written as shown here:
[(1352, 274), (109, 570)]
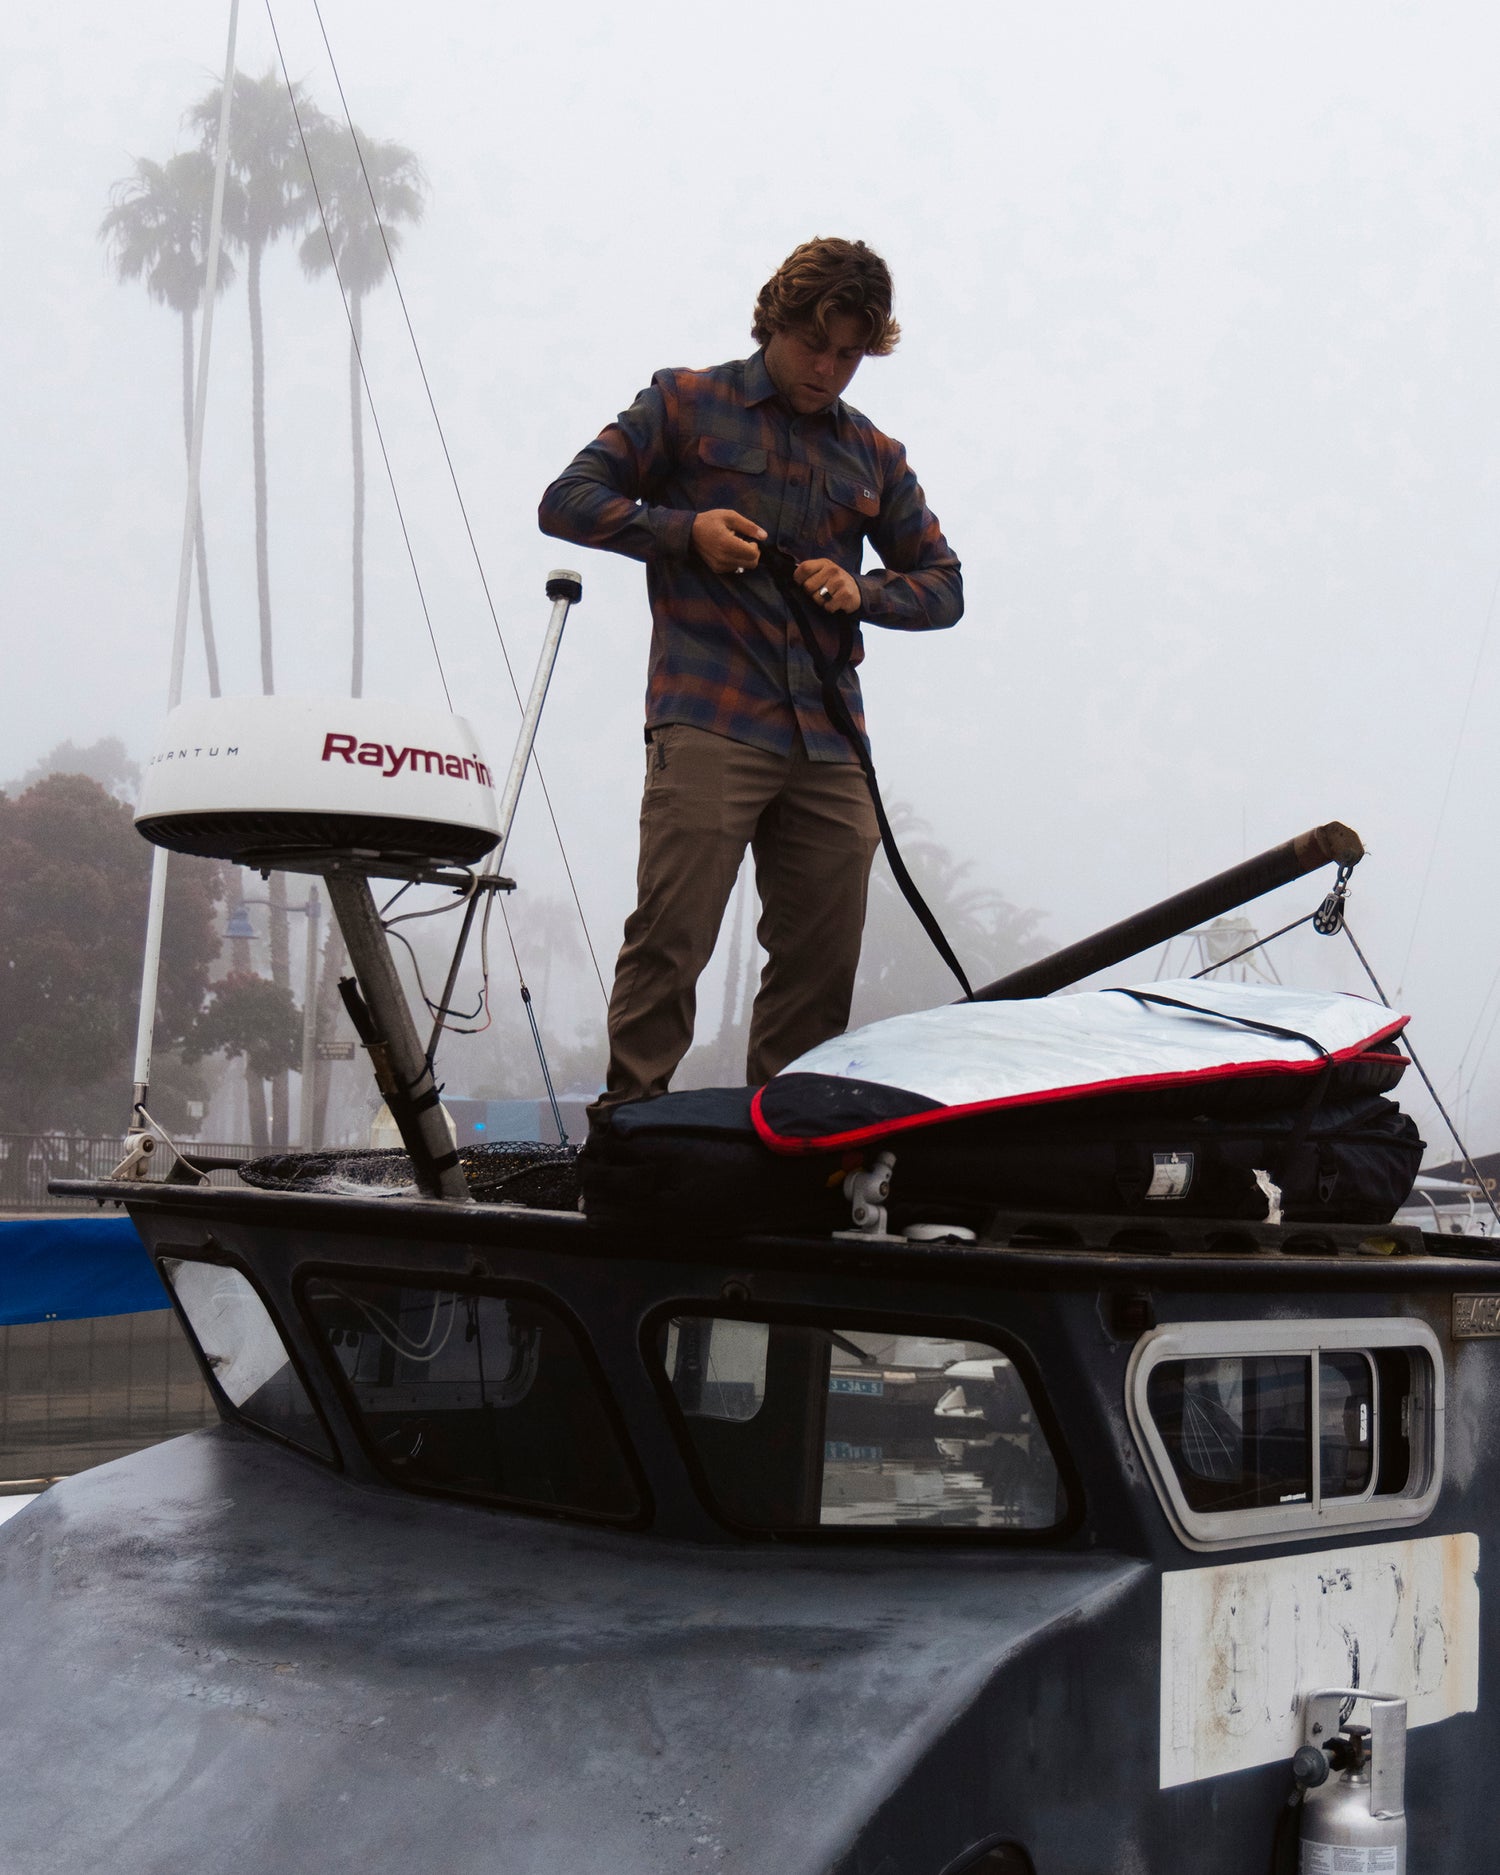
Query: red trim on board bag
[(789, 1145)]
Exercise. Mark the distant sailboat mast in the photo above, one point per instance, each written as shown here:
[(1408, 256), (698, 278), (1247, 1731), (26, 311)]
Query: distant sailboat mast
[(146, 1019)]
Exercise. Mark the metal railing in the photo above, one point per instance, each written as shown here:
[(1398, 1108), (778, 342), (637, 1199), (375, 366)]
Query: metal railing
[(78, 1393), (29, 1160)]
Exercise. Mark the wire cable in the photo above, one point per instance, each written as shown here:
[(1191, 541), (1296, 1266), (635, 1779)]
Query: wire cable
[(536, 1033), (1437, 826), (1463, 1151), (434, 1008), (397, 1339), (1259, 944), (1474, 1032), (1484, 1046), (359, 352), (457, 490)]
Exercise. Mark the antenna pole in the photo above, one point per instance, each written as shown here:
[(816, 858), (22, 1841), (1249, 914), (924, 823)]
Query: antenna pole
[(565, 590), (156, 908)]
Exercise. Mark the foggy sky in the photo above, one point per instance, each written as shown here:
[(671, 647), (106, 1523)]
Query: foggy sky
[(1199, 373)]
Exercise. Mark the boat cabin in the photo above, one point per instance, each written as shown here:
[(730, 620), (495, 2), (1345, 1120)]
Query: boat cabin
[(529, 1542)]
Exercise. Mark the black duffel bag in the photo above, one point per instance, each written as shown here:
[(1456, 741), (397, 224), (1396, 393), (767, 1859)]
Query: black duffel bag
[(696, 1158), (1350, 1163)]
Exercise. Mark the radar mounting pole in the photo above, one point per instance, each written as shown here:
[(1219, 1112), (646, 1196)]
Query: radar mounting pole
[(156, 909), (379, 1010)]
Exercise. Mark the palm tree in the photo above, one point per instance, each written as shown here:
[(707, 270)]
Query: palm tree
[(367, 188), (359, 235), (157, 231), (273, 198)]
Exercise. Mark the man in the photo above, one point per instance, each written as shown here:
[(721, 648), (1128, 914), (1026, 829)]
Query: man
[(703, 467)]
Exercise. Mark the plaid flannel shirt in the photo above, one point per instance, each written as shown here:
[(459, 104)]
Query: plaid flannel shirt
[(725, 654)]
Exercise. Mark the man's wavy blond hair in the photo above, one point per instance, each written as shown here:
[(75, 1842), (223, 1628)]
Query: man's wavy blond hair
[(823, 277)]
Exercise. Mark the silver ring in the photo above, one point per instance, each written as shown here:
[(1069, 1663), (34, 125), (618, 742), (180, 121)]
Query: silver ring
[(824, 593)]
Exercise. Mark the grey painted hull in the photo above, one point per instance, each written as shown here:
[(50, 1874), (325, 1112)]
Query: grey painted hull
[(218, 1657)]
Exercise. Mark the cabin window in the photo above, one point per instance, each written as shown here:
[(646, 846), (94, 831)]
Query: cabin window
[(1257, 1431), (802, 1427), (477, 1394), (243, 1350)]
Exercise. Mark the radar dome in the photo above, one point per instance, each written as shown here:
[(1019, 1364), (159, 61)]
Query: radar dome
[(301, 784)]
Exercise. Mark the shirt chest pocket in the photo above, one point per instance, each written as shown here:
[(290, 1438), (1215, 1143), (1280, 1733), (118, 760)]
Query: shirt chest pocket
[(733, 475), (847, 492), (742, 458)]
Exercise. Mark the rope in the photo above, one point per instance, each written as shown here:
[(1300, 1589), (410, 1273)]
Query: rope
[(359, 355), (457, 490)]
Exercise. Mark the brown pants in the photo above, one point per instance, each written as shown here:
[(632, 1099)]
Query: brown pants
[(812, 830)]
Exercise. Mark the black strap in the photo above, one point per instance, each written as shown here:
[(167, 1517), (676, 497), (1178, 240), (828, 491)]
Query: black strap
[(1221, 1015), (782, 568)]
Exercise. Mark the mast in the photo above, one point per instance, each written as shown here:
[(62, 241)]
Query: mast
[(151, 965)]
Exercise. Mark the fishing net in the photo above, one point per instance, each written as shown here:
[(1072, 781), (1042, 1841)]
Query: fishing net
[(502, 1171)]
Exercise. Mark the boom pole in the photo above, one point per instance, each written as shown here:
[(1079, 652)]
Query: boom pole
[(1321, 846)]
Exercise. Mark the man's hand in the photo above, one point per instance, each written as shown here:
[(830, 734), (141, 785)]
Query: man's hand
[(828, 585), (725, 541)]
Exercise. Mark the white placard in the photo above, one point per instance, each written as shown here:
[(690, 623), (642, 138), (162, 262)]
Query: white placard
[(1243, 1643)]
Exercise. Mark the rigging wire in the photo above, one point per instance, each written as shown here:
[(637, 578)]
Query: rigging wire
[(358, 352), (453, 477), (1484, 1047), (536, 1033), (1437, 828), (1375, 983), (1463, 1151), (1259, 944), (1474, 1032)]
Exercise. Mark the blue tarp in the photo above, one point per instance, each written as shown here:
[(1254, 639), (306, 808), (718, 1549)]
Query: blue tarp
[(65, 1269)]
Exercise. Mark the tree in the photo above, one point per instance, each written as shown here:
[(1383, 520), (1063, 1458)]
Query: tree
[(74, 880), (246, 1015), (367, 189), (273, 198), (104, 761), (157, 231)]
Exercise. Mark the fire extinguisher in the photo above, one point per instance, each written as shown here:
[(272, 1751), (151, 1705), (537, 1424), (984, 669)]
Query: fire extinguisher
[(1348, 1790)]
